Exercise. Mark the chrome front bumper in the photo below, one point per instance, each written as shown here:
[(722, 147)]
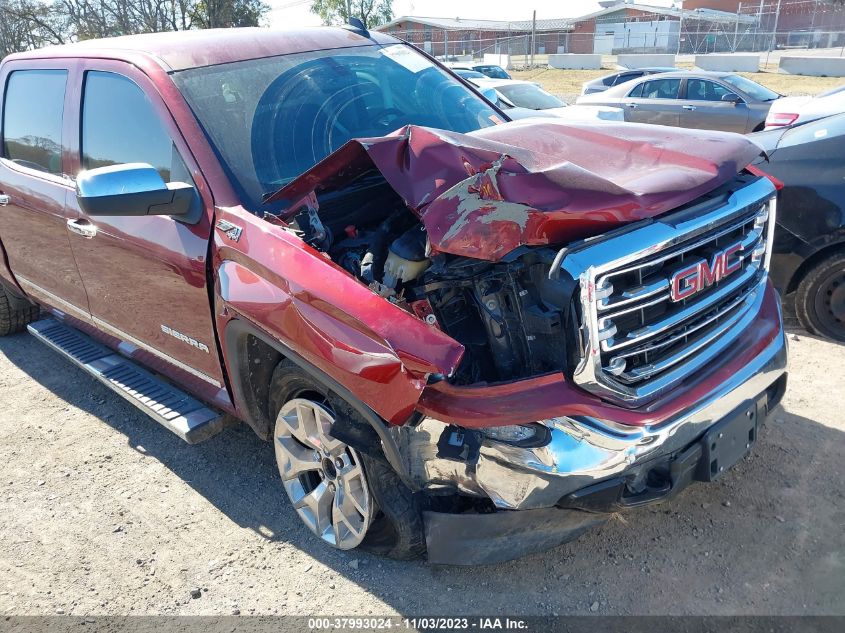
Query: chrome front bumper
[(582, 451)]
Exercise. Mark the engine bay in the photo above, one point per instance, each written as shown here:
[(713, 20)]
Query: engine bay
[(513, 321)]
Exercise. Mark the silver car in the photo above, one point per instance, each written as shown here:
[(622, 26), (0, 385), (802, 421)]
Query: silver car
[(700, 100), (608, 81)]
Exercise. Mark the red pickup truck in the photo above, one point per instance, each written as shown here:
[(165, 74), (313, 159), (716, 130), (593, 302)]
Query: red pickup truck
[(463, 335)]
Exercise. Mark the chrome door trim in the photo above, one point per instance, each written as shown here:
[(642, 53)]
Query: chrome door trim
[(118, 333), (52, 298)]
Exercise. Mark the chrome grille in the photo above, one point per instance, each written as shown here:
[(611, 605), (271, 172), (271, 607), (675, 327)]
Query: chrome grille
[(662, 300)]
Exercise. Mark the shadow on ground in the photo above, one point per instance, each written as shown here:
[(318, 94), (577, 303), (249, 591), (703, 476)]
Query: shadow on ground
[(766, 539)]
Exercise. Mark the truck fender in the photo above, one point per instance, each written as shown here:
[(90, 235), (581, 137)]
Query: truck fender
[(237, 336)]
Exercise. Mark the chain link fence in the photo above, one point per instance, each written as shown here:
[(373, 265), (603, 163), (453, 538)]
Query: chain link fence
[(759, 26)]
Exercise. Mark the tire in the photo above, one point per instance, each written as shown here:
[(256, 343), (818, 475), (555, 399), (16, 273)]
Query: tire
[(820, 298), (393, 516), (14, 320)]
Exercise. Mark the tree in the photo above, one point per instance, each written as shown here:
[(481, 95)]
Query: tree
[(216, 14), (371, 12), (26, 24)]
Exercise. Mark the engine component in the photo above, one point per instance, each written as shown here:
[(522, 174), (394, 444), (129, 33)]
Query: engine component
[(406, 258)]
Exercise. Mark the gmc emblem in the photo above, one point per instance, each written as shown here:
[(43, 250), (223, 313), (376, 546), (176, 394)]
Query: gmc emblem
[(703, 274)]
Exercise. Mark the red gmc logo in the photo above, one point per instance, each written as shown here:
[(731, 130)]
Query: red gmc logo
[(703, 274)]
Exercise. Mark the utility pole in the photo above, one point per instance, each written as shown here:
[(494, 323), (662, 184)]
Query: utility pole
[(774, 43), (680, 26), (736, 32), (533, 36)]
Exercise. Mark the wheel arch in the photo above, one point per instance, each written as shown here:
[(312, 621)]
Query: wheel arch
[(253, 356), (823, 253)]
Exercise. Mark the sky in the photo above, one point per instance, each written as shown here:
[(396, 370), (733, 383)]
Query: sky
[(294, 13)]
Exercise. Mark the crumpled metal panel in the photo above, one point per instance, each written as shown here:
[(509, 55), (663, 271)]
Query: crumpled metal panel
[(532, 182)]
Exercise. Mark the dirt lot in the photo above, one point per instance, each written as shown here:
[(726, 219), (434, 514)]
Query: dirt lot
[(104, 512)]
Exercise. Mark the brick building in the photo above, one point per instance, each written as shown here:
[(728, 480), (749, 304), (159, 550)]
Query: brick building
[(618, 27)]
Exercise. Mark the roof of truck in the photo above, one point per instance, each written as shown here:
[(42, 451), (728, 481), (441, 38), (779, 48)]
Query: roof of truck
[(178, 50)]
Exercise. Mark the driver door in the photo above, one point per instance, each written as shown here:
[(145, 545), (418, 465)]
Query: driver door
[(145, 276)]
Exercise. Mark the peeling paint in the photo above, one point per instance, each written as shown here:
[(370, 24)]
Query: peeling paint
[(532, 182)]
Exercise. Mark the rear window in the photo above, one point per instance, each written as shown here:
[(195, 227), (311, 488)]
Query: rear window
[(32, 119), (621, 79)]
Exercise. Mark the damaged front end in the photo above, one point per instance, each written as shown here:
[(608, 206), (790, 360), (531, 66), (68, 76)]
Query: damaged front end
[(586, 383), (462, 229)]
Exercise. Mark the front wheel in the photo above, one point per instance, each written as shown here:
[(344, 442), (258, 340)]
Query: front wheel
[(346, 498), (323, 477), (820, 298)]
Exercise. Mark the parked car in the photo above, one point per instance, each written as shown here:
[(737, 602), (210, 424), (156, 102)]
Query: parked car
[(614, 79), (796, 110), (459, 336), (468, 74), (526, 99), (488, 70), (809, 247), (699, 100)]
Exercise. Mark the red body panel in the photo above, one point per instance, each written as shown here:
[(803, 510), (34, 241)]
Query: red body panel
[(297, 295), (485, 193)]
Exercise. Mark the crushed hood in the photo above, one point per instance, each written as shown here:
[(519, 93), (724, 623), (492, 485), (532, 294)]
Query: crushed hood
[(531, 182)]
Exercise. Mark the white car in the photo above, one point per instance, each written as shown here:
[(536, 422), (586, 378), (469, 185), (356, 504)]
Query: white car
[(526, 99), (788, 111)]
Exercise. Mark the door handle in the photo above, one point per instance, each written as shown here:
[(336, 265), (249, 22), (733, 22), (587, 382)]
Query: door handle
[(688, 107), (86, 230), (4, 199), (631, 105)]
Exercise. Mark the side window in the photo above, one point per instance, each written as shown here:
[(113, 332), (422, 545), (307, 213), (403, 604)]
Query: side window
[(32, 119), (637, 92), (119, 125), (701, 90), (662, 89)]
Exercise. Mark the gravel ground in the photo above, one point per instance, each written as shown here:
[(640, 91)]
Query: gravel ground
[(104, 512)]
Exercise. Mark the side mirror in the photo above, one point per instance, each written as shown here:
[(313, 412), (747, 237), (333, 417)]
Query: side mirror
[(131, 189), (732, 98)]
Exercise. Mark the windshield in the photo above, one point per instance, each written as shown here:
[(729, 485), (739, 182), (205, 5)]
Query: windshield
[(752, 89), (469, 74), (530, 96), (271, 119)]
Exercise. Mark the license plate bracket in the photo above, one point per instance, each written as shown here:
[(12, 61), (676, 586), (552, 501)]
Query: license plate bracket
[(728, 441)]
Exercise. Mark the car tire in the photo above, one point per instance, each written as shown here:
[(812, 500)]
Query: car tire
[(381, 503), (12, 319), (820, 298)]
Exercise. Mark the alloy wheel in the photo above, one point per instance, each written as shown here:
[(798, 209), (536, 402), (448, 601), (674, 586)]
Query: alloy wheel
[(322, 476)]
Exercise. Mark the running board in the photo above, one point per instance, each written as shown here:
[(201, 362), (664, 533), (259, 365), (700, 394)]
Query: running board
[(169, 406)]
